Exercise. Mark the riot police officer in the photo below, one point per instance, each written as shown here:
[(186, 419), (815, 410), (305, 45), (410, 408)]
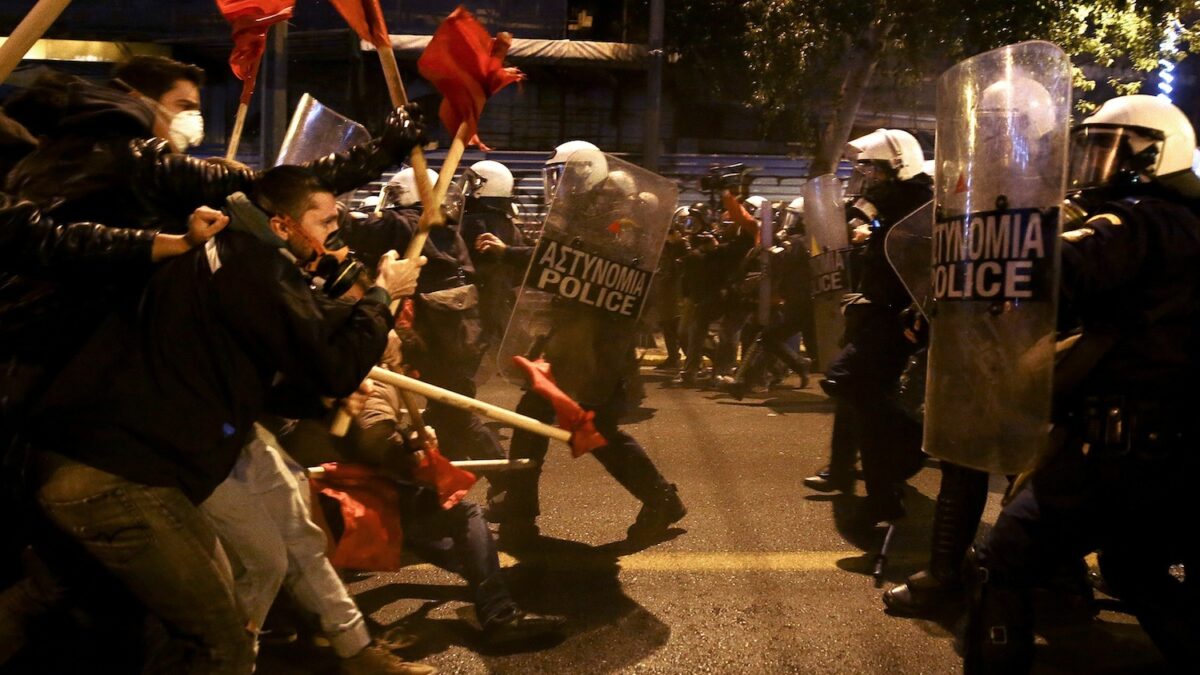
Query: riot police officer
[(1120, 482), (586, 350), (888, 184)]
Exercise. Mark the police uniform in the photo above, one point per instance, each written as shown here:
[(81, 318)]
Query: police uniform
[(1120, 482), (867, 371)]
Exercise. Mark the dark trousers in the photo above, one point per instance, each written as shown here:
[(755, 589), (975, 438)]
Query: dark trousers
[(774, 342), (461, 434), (162, 548), (624, 458), (1136, 510), (867, 373), (458, 540), (701, 315)]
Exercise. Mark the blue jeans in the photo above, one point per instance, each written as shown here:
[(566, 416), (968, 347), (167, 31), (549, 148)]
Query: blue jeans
[(157, 543), (458, 540)]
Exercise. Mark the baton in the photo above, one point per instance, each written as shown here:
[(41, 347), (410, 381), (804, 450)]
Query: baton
[(29, 31), (469, 465)]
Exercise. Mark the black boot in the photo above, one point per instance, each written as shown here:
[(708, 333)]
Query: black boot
[(999, 633), (960, 504), (657, 514)]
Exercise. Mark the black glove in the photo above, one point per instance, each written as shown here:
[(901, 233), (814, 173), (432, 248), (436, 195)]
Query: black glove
[(404, 131)]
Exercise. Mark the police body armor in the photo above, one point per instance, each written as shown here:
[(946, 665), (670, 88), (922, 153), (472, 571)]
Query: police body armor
[(1001, 171), (590, 274)]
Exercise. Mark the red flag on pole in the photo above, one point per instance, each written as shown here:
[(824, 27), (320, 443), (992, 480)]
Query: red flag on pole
[(365, 17), (466, 64), (569, 414), (250, 20)]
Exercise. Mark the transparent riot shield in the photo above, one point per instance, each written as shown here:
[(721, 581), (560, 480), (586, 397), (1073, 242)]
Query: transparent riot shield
[(316, 131), (908, 249), (825, 220), (589, 275), (1001, 155)]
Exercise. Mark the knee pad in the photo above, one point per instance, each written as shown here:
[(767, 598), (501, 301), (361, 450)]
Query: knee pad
[(999, 631)]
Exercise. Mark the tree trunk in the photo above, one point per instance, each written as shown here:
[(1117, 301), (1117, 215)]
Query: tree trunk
[(864, 55)]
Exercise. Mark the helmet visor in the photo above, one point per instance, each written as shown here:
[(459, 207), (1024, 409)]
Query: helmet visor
[(1100, 154), (551, 175), (791, 220), (867, 173)]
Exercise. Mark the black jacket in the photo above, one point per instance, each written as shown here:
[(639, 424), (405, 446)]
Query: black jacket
[(1137, 279), (167, 390), (102, 165), (35, 245), (878, 281)]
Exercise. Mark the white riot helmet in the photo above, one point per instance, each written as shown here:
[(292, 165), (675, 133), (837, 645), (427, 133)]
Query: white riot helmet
[(590, 168), (755, 204), (1132, 138), (497, 179), (897, 150), (401, 191), (793, 215)]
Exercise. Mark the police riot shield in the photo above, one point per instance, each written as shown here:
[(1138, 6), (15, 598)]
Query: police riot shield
[(316, 131), (825, 220), (908, 250), (589, 275), (1001, 153)]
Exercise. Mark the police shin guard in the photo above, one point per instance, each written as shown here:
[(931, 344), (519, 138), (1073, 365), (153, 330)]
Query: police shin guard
[(998, 639)]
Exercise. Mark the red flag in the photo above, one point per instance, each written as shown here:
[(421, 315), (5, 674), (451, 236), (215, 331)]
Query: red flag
[(452, 483), (250, 20), (365, 17), (570, 415), (466, 64), (370, 506)]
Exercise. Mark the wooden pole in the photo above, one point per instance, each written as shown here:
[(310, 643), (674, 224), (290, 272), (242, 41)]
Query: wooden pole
[(30, 30), (236, 137), (508, 417)]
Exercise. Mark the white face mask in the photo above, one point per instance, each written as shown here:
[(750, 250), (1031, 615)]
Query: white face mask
[(186, 129)]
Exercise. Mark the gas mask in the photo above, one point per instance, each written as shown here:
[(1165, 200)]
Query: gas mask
[(337, 268), (334, 267)]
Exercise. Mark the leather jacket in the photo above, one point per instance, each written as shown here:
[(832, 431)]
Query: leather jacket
[(36, 245)]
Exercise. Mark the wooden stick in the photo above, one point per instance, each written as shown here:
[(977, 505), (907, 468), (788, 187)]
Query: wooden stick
[(30, 30), (395, 85), (239, 122), (468, 464), (469, 404)]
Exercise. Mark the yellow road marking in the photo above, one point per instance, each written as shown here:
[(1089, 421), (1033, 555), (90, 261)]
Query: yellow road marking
[(650, 561)]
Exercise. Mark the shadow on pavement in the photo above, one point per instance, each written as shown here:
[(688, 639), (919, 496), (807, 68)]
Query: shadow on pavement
[(567, 578)]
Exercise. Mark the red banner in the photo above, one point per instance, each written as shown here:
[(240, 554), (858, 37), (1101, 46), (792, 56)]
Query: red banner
[(466, 64), (365, 17), (568, 414), (250, 20)]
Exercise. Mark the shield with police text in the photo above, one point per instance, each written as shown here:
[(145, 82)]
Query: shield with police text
[(1001, 154), (590, 273), (316, 131), (825, 220), (908, 251)]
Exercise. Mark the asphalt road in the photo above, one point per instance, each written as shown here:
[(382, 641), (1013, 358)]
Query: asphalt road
[(758, 578)]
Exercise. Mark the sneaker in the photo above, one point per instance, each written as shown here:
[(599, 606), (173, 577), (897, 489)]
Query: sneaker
[(658, 515), (827, 481), (521, 627), (375, 660), (684, 380)]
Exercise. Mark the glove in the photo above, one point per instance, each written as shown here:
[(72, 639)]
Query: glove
[(405, 129)]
